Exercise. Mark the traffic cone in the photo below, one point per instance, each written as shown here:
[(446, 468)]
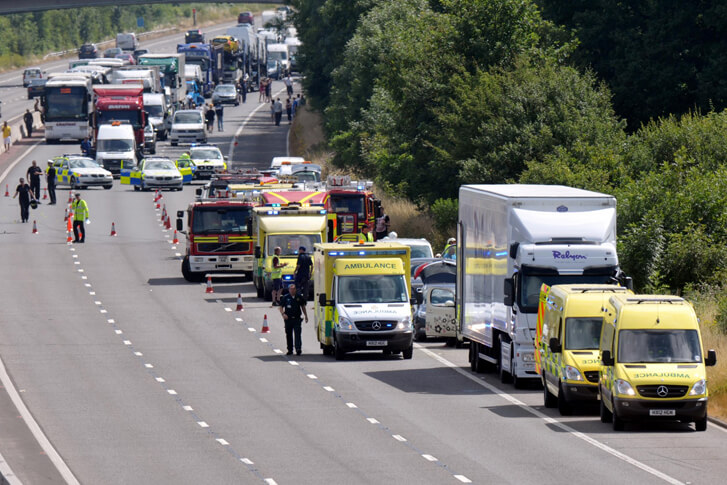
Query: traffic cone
[(65, 217), (176, 239), (265, 329), (35, 227), (168, 224), (164, 212), (70, 196), (113, 229), (239, 303), (69, 239), (45, 193), (7, 191), (156, 195), (209, 285)]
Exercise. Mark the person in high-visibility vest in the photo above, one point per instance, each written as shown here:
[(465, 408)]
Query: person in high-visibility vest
[(276, 274), (365, 235), (80, 214)]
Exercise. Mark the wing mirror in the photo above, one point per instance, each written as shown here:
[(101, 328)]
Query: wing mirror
[(180, 225), (606, 358), (711, 358), (509, 289), (554, 345)]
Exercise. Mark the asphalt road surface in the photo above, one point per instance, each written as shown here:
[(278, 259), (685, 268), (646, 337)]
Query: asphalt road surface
[(136, 376)]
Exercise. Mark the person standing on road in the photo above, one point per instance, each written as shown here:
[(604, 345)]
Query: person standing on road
[(289, 110), (80, 214), (26, 195), (288, 85), (6, 135), (50, 180), (295, 106), (291, 306), (209, 116), (268, 89), (278, 112), (382, 225), (277, 276), (86, 147), (28, 120), (33, 174), (302, 272), (262, 98), (219, 112)]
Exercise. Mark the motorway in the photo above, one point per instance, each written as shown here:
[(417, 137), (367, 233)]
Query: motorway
[(136, 376)]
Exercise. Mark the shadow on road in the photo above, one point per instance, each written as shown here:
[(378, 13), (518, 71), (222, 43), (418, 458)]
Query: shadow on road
[(428, 381), (176, 281)]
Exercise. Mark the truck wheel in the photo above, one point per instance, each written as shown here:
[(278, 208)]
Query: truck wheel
[(549, 400), (617, 422), (451, 342), (408, 353), (479, 364), (701, 424), (606, 416), (473, 366), (188, 274), (505, 377), (564, 407), (338, 351)]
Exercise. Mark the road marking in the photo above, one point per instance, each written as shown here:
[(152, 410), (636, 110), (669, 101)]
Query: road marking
[(17, 161), (172, 392), (119, 332), (228, 309), (250, 329), (111, 320), (160, 379), (148, 366), (92, 293), (328, 388), (187, 408), (372, 420), (463, 479), (270, 481), (231, 152), (398, 437), (292, 362), (351, 405), (84, 277), (87, 285), (429, 457), (80, 270), (127, 342), (247, 461), (97, 303), (513, 400), (202, 424), (277, 351), (312, 376), (263, 340), (222, 442), (75, 255), (104, 311), (238, 319), (76, 262), (179, 255), (138, 354)]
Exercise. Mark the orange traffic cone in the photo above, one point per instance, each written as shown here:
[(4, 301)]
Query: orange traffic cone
[(168, 224), (65, 217), (45, 193), (209, 285), (176, 239), (69, 228), (164, 212), (265, 329), (7, 191), (239, 303), (35, 227), (69, 239), (70, 196), (113, 229), (156, 195)]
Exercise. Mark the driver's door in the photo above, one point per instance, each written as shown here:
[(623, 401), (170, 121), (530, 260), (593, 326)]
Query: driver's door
[(440, 320)]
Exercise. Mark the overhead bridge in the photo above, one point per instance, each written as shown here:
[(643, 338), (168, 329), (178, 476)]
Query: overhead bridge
[(12, 6)]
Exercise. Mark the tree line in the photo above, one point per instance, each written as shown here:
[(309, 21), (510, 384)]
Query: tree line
[(426, 95)]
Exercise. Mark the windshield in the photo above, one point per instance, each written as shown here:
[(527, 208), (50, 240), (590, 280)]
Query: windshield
[(66, 103), (348, 205), (154, 110), (650, 346), (307, 176), (289, 243), (106, 117), (82, 163), (188, 117), (206, 155), (372, 289), (420, 251), (114, 145), (220, 220), (199, 61), (159, 165), (226, 89), (530, 286), (278, 56), (582, 333)]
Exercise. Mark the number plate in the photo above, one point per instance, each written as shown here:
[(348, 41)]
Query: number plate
[(222, 259), (376, 343), (662, 412)]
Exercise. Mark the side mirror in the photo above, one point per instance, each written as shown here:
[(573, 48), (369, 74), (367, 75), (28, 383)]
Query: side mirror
[(226, 158), (258, 252), (711, 359), (606, 358), (509, 289), (180, 225), (180, 214), (419, 297), (449, 304), (322, 299), (554, 345), (629, 283), (198, 191)]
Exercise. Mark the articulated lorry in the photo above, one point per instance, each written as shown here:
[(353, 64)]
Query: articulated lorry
[(511, 239), (210, 60)]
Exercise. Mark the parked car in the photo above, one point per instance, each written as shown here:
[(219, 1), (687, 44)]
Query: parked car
[(246, 18), (36, 88), (112, 51), (194, 35), (150, 139), (88, 51)]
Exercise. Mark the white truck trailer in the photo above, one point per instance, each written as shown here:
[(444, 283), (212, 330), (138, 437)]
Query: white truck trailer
[(510, 240)]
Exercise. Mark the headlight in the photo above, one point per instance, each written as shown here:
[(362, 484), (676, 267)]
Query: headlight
[(346, 325), (572, 374), (404, 324), (623, 387), (699, 388), (177, 177)]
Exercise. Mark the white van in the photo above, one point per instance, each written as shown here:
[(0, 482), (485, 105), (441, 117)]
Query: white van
[(32, 73), (127, 41), (116, 147), (159, 113), (280, 53)]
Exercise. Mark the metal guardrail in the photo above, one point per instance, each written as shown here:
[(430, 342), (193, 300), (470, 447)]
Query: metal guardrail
[(139, 35)]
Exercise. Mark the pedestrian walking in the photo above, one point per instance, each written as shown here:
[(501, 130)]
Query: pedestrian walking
[(277, 276), (209, 116), (272, 111), (278, 112), (288, 85), (6, 135), (34, 172), (291, 307), (25, 196), (28, 120), (219, 112), (382, 225), (289, 110), (295, 106), (302, 272), (268, 89), (50, 180), (80, 214)]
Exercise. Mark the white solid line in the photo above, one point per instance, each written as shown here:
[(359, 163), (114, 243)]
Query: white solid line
[(187, 408), (429, 457), (312, 376), (463, 479), (160, 379), (372, 420), (17, 160), (222, 442), (329, 388), (32, 424), (172, 392), (398, 437), (242, 126), (263, 339), (351, 405), (202, 424), (559, 424), (7, 474), (247, 461)]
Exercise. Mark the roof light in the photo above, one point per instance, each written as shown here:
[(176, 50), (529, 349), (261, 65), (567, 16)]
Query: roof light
[(322, 211), (273, 213), (362, 253)]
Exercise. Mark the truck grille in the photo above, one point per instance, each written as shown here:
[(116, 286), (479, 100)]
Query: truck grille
[(592, 376), (218, 247), (658, 391), (375, 325)]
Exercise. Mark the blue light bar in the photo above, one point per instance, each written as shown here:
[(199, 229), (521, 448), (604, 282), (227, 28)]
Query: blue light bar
[(272, 213), (362, 253), (288, 277), (275, 205), (323, 211), (501, 253)]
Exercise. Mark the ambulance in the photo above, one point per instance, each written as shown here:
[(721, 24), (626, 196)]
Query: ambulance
[(362, 298), (566, 344), (653, 363), (288, 227)]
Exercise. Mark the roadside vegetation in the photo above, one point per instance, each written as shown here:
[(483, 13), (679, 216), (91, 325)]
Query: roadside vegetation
[(426, 95), (28, 37)]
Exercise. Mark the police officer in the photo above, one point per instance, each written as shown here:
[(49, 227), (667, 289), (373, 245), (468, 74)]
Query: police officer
[(50, 178), (80, 214), (291, 306)]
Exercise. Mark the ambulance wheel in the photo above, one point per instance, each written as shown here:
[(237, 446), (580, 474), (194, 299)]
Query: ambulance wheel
[(258, 288), (327, 349), (701, 424), (564, 407), (267, 294), (606, 416), (617, 422), (338, 351), (408, 353), (549, 400)]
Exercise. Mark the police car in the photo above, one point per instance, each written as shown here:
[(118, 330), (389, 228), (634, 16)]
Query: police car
[(155, 173), (208, 160), (80, 172)]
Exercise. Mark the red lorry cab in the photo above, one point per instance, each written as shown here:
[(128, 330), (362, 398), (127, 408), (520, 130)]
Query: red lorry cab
[(121, 102)]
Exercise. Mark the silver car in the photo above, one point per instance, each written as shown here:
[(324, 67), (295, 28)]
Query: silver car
[(225, 94)]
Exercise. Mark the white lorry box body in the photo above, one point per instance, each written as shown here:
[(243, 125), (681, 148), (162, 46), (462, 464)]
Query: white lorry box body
[(116, 147)]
